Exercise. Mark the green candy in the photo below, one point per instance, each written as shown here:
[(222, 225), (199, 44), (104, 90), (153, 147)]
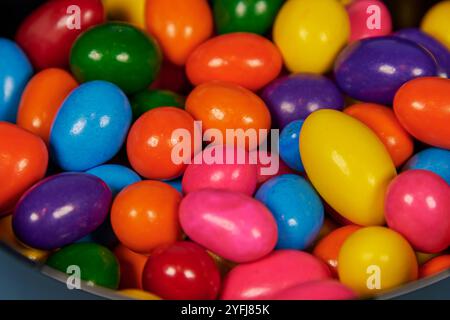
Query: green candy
[(119, 53), (150, 99), (97, 264), (256, 16)]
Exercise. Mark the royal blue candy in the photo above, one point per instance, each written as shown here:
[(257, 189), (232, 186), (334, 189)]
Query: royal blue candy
[(432, 159), (115, 176), (289, 145), (91, 126), (176, 184), (297, 209)]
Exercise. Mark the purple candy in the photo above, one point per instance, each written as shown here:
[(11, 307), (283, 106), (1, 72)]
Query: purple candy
[(296, 96), (372, 70), (61, 210)]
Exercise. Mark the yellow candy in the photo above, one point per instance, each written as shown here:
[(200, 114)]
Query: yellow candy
[(437, 22), (347, 164), (375, 259), (310, 33), (125, 10), (139, 294)]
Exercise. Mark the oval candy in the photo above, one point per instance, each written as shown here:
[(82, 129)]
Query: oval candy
[(432, 159)]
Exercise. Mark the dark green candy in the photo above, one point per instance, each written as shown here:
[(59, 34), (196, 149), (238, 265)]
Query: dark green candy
[(97, 264), (119, 53), (150, 99)]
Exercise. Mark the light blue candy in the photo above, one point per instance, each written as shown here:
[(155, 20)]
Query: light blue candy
[(90, 127), (15, 71), (297, 209), (289, 145), (117, 177), (433, 159)]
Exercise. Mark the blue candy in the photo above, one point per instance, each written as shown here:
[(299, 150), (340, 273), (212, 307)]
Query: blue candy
[(115, 176), (432, 159), (176, 184), (289, 145)]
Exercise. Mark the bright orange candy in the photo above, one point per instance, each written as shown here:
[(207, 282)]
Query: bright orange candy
[(131, 267), (144, 216), (221, 105), (422, 106), (179, 26), (435, 266), (150, 142), (23, 162), (246, 59), (383, 122), (42, 99), (328, 248)]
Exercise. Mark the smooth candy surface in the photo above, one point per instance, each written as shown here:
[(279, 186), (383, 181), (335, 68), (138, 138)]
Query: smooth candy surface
[(435, 266), (150, 99), (117, 177), (290, 145), (317, 290), (432, 159), (131, 267), (436, 22), (129, 11)]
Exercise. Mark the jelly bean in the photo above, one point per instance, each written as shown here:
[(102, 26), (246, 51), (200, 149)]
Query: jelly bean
[(297, 209), (265, 278), (222, 106), (150, 99), (385, 125), (182, 271), (418, 207), (296, 96), (310, 33), (97, 264), (150, 145), (421, 106), (131, 267), (229, 175), (347, 164), (329, 247), (436, 22), (41, 100), (129, 11), (117, 177), (15, 70), (435, 266), (90, 127), (23, 162), (48, 33), (116, 52), (242, 58), (376, 259), (317, 290), (372, 70), (368, 18), (60, 210), (439, 51), (245, 15), (144, 216), (179, 26), (176, 183), (432, 159), (139, 294), (244, 230), (290, 145)]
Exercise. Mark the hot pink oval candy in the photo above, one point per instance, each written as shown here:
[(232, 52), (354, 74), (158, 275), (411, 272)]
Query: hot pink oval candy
[(418, 207), (317, 290), (232, 225), (265, 278)]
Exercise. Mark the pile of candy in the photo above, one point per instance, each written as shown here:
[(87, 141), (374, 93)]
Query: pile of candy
[(358, 205)]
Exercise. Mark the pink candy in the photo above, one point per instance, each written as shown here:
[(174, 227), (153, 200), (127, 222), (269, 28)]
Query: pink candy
[(317, 290)]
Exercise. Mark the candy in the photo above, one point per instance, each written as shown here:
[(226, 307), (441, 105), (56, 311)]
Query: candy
[(41, 100), (130, 11), (15, 70), (23, 162), (297, 209), (421, 106), (317, 290), (90, 126), (244, 230), (49, 32), (310, 33), (150, 99), (117, 177), (290, 145), (116, 52), (98, 265), (418, 207), (131, 267), (436, 22), (144, 216), (432, 159), (60, 210), (347, 164), (435, 266), (262, 175), (182, 271), (372, 70)]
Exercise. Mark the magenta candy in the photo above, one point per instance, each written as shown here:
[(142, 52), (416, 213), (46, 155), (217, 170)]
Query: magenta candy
[(418, 207), (230, 224), (272, 275), (317, 290)]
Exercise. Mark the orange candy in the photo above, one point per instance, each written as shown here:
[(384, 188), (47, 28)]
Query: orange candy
[(144, 216), (435, 266), (246, 59), (150, 143), (42, 99), (179, 26), (23, 162), (131, 267), (383, 122)]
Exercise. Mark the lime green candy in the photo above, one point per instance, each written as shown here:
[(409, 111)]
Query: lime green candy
[(119, 53), (97, 264), (150, 99)]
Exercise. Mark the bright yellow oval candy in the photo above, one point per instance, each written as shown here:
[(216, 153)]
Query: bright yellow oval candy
[(347, 164), (139, 294), (125, 10), (310, 33), (437, 22), (375, 259)]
